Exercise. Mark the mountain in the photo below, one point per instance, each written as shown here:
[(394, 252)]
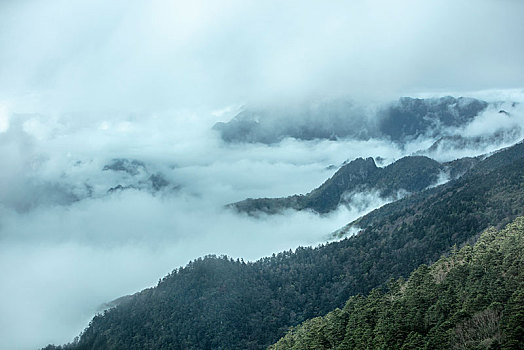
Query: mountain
[(134, 174), (472, 299), (218, 303), (406, 175), (505, 158), (81, 182), (399, 121)]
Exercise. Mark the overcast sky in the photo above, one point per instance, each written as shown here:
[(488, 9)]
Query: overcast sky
[(83, 82), (147, 56)]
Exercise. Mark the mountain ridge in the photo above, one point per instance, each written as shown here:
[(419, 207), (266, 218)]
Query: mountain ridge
[(399, 121), (407, 175)]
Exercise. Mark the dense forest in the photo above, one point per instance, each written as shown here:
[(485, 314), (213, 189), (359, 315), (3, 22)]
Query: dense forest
[(472, 299), (220, 303)]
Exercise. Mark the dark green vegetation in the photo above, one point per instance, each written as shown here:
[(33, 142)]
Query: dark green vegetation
[(400, 121), (408, 174), (218, 303), (472, 299)]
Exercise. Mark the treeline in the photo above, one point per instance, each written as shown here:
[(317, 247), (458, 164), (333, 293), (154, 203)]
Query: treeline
[(472, 299)]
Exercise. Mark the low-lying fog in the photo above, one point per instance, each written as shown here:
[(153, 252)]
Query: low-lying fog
[(135, 87), (65, 250), (68, 243)]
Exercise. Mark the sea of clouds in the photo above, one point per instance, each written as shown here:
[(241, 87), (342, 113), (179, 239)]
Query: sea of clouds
[(86, 82), (68, 244)]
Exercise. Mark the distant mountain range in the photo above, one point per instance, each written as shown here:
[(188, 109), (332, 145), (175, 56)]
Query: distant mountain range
[(406, 175), (221, 303), (138, 176), (400, 121), (116, 175)]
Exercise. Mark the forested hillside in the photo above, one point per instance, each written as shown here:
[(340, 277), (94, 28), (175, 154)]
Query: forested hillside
[(406, 175), (472, 299), (508, 157), (219, 303)]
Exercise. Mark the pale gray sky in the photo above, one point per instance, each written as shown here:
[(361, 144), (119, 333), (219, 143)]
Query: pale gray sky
[(61, 55)]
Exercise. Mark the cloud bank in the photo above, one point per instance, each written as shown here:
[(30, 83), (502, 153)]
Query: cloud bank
[(136, 56), (68, 245), (86, 82)]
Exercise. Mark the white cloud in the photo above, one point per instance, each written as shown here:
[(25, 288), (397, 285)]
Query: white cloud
[(135, 56), (4, 118)]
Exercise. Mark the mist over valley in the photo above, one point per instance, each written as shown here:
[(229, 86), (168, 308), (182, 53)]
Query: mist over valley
[(276, 158)]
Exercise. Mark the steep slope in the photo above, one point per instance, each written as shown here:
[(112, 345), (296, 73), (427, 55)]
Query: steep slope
[(217, 303), (399, 121), (408, 174), (473, 299), (506, 158)]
